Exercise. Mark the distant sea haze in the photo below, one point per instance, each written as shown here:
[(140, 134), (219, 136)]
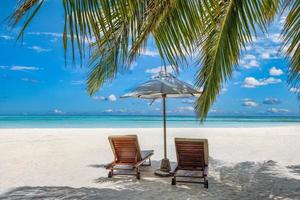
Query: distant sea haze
[(143, 121)]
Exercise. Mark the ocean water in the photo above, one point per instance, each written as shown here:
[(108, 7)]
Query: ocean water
[(141, 121)]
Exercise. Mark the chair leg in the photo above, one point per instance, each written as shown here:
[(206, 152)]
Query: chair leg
[(138, 174), (149, 161), (174, 180), (205, 183), (110, 173)]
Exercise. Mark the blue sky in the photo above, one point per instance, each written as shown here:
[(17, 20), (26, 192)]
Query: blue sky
[(35, 80)]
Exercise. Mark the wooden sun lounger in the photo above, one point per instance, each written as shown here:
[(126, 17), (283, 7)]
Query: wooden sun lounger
[(192, 161), (127, 156)]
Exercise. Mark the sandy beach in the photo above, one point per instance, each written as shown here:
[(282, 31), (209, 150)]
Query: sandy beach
[(224, 73), (245, 163)]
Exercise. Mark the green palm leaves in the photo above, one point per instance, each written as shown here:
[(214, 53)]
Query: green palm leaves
[(291, 38), (213, 30), (231, 29)]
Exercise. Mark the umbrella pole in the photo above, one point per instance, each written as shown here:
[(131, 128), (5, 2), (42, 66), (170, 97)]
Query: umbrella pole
[(165, 166), (165, 126)]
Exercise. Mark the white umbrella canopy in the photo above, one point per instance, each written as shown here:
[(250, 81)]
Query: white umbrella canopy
[(163, 85)]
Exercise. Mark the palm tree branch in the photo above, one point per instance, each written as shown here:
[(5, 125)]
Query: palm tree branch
[(220, 49), (291, 41)]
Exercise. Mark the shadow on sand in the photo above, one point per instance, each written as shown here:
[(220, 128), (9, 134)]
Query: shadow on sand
[(246, 180)]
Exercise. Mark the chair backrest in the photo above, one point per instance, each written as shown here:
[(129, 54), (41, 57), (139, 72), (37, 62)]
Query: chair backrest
[(126, 148), (191, 153)]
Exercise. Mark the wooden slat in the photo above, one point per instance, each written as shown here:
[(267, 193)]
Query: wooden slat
[(190, 154), (125, 149)]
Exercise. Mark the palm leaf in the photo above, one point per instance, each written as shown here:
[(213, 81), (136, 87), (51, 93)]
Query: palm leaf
[(23, 8), (232, 29), (291, 38), (179, 30)]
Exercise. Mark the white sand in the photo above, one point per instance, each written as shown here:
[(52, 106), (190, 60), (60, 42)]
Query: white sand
[(245, 163)]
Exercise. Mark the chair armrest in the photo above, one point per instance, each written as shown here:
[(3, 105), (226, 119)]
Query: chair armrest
[(146, 154), (139, 163), (143, 160)]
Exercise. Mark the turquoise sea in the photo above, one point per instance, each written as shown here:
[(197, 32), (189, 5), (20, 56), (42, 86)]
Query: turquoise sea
[(141, 121)]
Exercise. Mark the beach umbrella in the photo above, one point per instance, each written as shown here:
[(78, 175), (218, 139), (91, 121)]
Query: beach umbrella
[(162, 86)]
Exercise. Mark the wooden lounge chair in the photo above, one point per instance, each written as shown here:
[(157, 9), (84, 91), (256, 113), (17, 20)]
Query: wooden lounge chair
[(127, 156), (192, 161)]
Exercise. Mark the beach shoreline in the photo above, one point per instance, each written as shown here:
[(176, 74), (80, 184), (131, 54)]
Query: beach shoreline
[(74, 158)]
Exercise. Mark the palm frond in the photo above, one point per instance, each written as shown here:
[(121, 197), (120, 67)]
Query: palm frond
[(232, 29), (291, 39), (106, 57), (25, 7), (178, 31)]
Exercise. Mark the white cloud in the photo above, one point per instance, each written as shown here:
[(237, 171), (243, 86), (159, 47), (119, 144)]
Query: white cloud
[(249, 103), (271, 80), (29, 80), (251, 82), (269, 53), (6, 37), (278, 110), (46, 34), (159, 69), (275, 71), (20, 68), (109, 110), (295, 90), (276, 38), (57, 111), (112, 97), (121, 110), (249, 57), (249, 61), (101, 98), (248, 48), (185, 108), (265, 55), (57, 35), (39, 49), (213, 110), (24, 68), (151, 53), (270, 101), (265, 50), (188, 101)]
